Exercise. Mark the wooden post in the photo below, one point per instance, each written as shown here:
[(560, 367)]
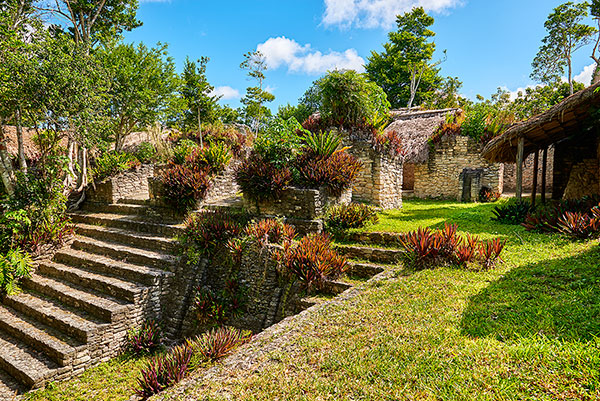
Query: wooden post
[(536, 157), (544, 163), (520, 152)]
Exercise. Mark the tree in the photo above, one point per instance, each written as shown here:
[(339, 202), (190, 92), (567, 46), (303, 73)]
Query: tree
[(404, 69), (595, 13), (447, 95), (255, 64), (143, 83), (539, 99), (300, 112), (92, 21), (201, 105), (566, 34)]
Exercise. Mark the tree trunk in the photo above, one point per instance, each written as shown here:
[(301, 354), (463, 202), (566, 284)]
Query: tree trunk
[(6, 170), (82, 181), (200, 127), (520, 151), (20, 144), (596, 76), (570, 76)]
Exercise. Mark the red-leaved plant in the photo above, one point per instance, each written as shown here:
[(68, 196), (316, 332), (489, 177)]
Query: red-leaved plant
[(183, 186), (218, 343), (260, 179), (270, 231), (164, 370), (146, 339)]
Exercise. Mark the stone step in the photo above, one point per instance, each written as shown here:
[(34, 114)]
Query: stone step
[(130, 238), (116, 208), (363, 270), (335, 287), (375, 255), (9, 387), (133, 201), (103, 306), (125, 290), (377, 238), (124, 253), (39, 336), (127, 222), (29, 367), (73, 322)]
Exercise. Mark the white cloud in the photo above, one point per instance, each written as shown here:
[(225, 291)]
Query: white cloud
[(282, 51), (585, 76), (227, 92), (377, 13)]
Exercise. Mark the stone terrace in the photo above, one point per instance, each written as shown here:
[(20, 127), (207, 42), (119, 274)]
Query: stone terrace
[(75, 310)]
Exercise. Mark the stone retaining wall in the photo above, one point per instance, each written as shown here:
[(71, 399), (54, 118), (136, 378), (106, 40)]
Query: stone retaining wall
[(131, 184), (576, 167), (441, 176)]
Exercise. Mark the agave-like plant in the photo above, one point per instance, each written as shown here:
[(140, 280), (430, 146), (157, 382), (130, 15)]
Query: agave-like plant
[(323, 144)]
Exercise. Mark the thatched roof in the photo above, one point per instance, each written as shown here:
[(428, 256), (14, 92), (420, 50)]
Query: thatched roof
[(559, 122), (415, 128)]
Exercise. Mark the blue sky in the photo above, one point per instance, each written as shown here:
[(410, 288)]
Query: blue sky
[(489, 43)]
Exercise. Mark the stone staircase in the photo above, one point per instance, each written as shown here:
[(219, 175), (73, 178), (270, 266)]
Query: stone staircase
[(75, 310)]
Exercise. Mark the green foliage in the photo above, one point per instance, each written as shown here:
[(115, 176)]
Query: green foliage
[(218, 307), (540, 98), (345, 217), (512, 212), (146, 153), (183, 150), (216, 344), (212, 159), (300, 112), (322, 144), (142, 86), (409, 47), (475, 123), (349, 99), (566, 34), (279, 142), (112, 163), (200, 106), (254, 110), (14, 265)]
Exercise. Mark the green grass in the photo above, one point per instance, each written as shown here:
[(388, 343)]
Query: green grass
[(115, 380), (525, 331)]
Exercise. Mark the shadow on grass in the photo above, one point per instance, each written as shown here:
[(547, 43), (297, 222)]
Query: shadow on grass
[(557, 298)]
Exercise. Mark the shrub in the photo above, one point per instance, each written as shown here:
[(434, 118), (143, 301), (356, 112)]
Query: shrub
[(270, 231), (349, 99), (146, 152), (220, 134), (146, 339), (336, 173), (164, 370), (212, 159), (218, 343), (322, 144), (512, 212), (206, 230), (183, 150), (579, 225), (488, 195), (489, 252), (183, 187), (389, 143), (546, 218), (112, 163), (280, 142), (475, 123), (260, 179), (15, 265), (425, 248), (218, 307), (345, 217), (312, 261)]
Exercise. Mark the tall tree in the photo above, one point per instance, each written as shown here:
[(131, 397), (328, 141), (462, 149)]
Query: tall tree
[(91, 21), (143, 83), (404, 68), (595, 13), (200, 103), (255, 64), (565, 35)]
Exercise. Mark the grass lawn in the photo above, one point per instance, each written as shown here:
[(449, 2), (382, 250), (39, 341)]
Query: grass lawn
[(527, 330), (524, 331)]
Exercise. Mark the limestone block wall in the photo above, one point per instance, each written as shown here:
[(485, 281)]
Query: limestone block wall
[(440, 177), (576, 167), (379, 182), (510, 173), (128, 184)]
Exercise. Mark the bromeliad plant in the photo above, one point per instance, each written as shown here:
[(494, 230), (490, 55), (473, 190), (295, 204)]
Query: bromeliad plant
[(183, 186), (217, 307), (512, 212), (426, 248), (145, 340), (270, 231), (312, 261), (345, 217)]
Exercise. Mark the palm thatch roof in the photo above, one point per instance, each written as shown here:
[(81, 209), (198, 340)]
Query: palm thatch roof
[(559, 122), (415, 128)]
